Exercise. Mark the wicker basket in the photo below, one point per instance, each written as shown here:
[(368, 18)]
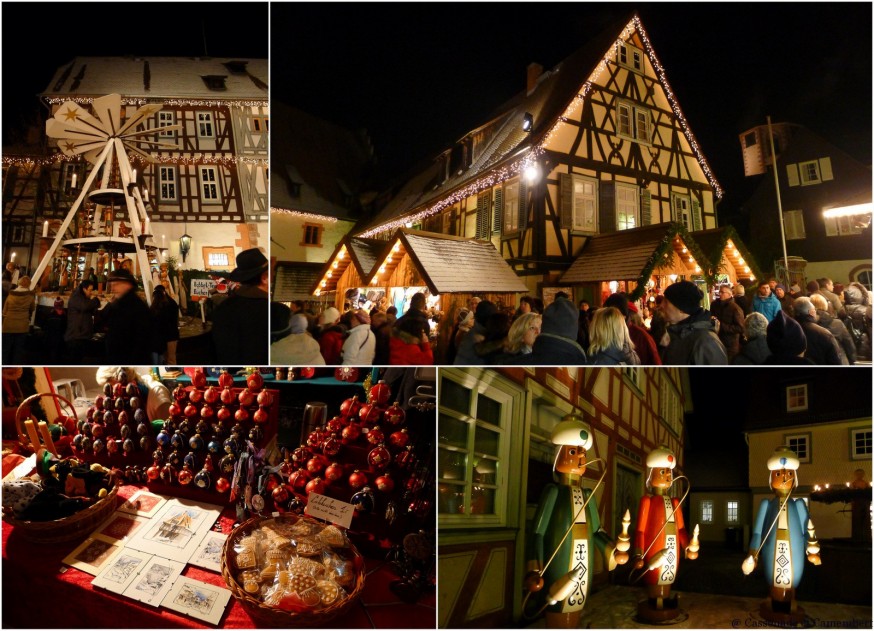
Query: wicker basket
[(273, 616), (20, 417)]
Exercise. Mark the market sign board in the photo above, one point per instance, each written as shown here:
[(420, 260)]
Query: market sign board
[(201, 286), (329, 509)]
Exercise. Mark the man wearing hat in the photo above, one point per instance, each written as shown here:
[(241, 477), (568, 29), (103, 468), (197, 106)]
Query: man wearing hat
[(661, 538), (786, 341), (240, 331), (782, 537), (567, 577), (766, 302), (557, 343), (691, 328), (128, 322), (783, 297)]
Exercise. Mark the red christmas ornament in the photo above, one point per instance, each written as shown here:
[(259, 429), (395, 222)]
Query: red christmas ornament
[(255, 381), (350, 407), (317, 463), (316, 485), (241, 415), (334, 472), (280, 494), (153, 472), (331, 446), (379, 457), (179, 393), (298, 480), (351, 433), (117, 390), (375, 436), (222, 485), (98, 402), (123, 417), (226, 379), (369, 414), (185, 476), (190, 410), (385, 484), (223, 414), (195, 396), (336, 424), (260, 416), (273, 481), (300, 456), (265, 399), (211, 395), (206, 412), (246, 397), (406, 459), (399, 439), (380, 393), (227, 396), (413, 484), (346, 373), (174, 410), (357, 479), (97, 430), (395, 415), (314, 440), (307, 373), (199, 380)]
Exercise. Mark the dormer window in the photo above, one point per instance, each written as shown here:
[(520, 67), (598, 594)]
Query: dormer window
[(236, 67), (630, 56), (215, 82)]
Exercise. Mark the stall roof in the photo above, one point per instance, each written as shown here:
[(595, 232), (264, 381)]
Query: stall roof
[(714, 243), (365, 253), (294, 281), (457, 264)]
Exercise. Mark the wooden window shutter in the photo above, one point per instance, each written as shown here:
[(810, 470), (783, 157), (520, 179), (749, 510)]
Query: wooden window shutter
[(483, 201), (499, 208), (645, 207), (825, 169), (792, 174), (696, 215), (523, 205), (831, 226), (566, 203), (607, 206)]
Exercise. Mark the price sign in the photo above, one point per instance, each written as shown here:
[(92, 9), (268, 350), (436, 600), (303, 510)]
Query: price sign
[(329, 509)]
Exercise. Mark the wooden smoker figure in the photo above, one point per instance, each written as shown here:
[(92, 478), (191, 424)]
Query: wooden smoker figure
[(789, 538), (567, 527), (660, 539)]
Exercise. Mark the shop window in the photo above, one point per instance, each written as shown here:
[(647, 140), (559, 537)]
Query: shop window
[(209, 189), (706, 511), (312, 235), (800, 444), (861, 443), (205, 125), (793, 224), (796, 398), (731, 512), (841, 226)]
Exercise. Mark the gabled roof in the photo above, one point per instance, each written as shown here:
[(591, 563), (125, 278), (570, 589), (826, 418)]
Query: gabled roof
[(328, 164), (363, 254), (160, 77), (716, 242), (294, 281)]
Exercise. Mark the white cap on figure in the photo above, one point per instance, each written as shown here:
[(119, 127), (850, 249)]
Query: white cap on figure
[(783, 458), (661, 457), (571, 430)]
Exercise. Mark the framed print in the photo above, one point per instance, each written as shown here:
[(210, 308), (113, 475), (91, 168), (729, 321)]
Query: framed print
[(154, 581), (122, 570), (176, 531), (197, 599), (208, 554), (120, 526), (143, 503), (93, 554)]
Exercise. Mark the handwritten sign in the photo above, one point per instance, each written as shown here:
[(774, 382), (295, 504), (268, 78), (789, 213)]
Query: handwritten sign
[(201, 286), (329, 509)]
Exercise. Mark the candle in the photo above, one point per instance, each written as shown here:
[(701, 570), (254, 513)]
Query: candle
[(146, 195), (31, 432), (148, 226), (202, 312), (74, 180), (45, 228), (134, 176), (47, 437)]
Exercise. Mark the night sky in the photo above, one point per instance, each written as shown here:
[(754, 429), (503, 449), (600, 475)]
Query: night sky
[(55, 33), (418, 76)]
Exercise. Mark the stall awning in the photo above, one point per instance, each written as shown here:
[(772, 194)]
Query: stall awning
[(717, 243), (451, 264), (294, 281)]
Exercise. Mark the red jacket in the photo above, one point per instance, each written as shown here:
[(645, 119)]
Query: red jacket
[(331, 345), (404, 354), (644, 346)]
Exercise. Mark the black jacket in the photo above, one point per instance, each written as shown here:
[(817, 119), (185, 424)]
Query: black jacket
[(837, 328), (822, 347), (80, 316), (694, 342), (552, 350), (165, 325), (128, 330), (240, 330)]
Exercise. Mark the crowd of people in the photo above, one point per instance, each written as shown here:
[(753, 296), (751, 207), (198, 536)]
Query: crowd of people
[(826, 325)]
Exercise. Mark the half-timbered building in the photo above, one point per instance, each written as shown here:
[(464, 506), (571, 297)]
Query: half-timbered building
[(495, 456), (596, 146)]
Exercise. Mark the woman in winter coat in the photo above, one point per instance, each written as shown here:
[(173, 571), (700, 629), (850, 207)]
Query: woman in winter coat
[(520, 339), (755, 349), (332, 336), (609, 341), (359, 348), (835, 327), (409, 344), (298, 348), (17, 310)]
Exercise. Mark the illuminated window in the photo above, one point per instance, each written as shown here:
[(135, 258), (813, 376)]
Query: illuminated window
[(218, 259), (731, 510), (706, 511), (633, 122), (511, 206), (585, 204), (796, 398), (627, 206)]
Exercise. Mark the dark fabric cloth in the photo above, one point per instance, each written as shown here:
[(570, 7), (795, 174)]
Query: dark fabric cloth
[(165, 325), (685, 296), (657, 327), (786, 303), (694, 342), (837, 328), (406, 350), (466, 355), (583, 329), (775, 360), (80, 316), (731, 324), (405, 322), (744, 303), (331, 344), (128, 330), (552, 350), (822, 347), (240, 329), (786, 339), (614, 357), (644, 346), (753, 352), (489, 352), (383, 337)]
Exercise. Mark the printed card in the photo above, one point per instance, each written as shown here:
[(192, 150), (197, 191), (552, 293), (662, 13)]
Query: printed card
[(154, 581), (143, 503), (122, 570), (93, 554), (209, 554), (197, 599), (120, 526)]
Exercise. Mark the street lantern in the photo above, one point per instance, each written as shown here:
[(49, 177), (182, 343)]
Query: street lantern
[(185, 244)]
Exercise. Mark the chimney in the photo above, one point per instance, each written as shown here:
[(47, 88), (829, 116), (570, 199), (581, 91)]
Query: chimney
[(534, 72)]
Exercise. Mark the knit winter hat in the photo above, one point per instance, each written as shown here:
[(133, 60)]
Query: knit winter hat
[(279, 315), (785, 336), (781, 286), (619, 301), (685, 296), (812, 286), (483, 310), (329, 316), (362, 317), (561, 318), (299, 324)]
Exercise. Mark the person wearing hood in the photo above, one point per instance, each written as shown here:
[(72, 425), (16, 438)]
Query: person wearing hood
[(610, 344), (492, 347), (557, 343), (692, 329), (17, 310), (293, 345), (822, 347), (466, 355), (754, 350), (786, 341), (836, 327), (359, 348), (81, 307), (766, 302), (332, 336)]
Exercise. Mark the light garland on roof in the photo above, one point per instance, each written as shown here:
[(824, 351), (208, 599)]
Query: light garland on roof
[(84, 100), (303, 215), (58, 158)]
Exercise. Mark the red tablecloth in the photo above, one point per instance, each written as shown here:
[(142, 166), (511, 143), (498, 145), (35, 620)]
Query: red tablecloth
[(39, 591)]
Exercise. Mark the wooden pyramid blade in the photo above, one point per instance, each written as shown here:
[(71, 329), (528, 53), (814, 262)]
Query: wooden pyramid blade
[(108, 110), (76, 131), (154, 130), (140, 115)]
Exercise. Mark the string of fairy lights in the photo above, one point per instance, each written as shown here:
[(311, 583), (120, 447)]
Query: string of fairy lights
[(30, 161), (506, 172), (303, 215), (85, 100)]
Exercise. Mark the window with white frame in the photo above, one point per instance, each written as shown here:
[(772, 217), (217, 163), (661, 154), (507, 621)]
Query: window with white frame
[(800, 444), (861, 443), (167, 183), (205, 125), (633, 122), (511, 206), (810, 173), (630, 56), (166, 118), (706, 511), (796, 398), (731, 512), (632, 373), (670, 409), (841, 226), (627, 206), (793, 224), (585, 204), (473, 450), (218, 259), (682, 205), (209, 188)]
